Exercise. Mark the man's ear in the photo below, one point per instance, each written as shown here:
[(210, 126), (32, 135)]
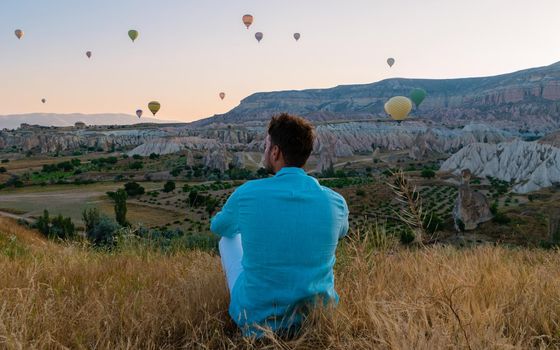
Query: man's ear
[(276, 152)]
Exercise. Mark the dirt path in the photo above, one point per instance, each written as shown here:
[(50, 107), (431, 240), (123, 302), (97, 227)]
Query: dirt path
[(17, 217)]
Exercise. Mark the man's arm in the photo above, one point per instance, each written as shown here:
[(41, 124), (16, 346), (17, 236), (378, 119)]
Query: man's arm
[(344, 226), (225, 223)]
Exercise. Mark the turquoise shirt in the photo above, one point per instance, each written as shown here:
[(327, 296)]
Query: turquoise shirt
[(290, 226)]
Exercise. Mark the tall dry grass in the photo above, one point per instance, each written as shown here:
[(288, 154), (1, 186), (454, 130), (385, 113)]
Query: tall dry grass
[(429, 298)]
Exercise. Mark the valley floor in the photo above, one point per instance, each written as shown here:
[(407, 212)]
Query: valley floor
[(69, 296)]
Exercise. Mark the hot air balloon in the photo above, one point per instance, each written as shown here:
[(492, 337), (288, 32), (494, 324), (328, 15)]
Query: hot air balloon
[(139, 113), (417, 96), (222, 95), (398, 107), (390, 61), (259, 36), (88, 54), (247, 20), (19, 33), (297, 36), (154, 107), (133, 34), (44, 100)]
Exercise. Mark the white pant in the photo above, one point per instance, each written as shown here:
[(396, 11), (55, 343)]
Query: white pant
[(231, 252)]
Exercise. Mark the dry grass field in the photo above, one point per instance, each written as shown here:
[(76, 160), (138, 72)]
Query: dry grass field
[(59, 296)]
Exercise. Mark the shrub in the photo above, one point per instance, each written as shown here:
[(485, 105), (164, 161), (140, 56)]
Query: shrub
[(169, 186), (2, 170), (153, 156), (137, 157), (57, 227), (406, 236), (428, 173), (176, 172), (136, 165), (62, 228), (91, 218), (104, 233), (43, 223), (432, 222), (134, 189)]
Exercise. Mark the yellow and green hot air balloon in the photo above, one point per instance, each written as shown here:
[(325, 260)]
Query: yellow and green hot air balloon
[(398, 107), (133, 34), (417, 96), (154, 107)]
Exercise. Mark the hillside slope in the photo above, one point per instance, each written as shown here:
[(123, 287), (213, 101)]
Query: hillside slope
[(511, 99)]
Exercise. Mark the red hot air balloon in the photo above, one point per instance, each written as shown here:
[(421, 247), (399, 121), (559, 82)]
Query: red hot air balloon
[(248, 20)]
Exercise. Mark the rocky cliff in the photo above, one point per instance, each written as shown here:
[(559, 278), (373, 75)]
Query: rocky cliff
[(529, 165), (528, 99)]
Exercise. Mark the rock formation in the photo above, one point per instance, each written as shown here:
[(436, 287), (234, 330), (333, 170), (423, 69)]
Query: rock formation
[(530, 165), (238, 160), (174, 144), (471, 208), (216, 159)]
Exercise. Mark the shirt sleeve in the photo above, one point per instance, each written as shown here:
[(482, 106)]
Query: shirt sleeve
[(344, 225), (225, 223)]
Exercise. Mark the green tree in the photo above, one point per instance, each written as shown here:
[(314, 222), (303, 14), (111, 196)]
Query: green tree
[(43, 223), (120, 198), (136, 165), (62, 228), (104, 232), (134, 189), (90, 218), (169, 186), (211, 205), (428, 173)]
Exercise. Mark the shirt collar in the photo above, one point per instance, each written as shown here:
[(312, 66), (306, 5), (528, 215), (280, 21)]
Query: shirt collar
[(290, 170)]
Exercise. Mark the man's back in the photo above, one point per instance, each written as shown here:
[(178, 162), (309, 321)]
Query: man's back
[(290, 226)]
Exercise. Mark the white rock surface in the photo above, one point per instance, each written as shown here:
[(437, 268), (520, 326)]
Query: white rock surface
[(530, 165)]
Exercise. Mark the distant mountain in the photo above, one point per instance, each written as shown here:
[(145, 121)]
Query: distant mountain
[(528, 99), (51, 119)]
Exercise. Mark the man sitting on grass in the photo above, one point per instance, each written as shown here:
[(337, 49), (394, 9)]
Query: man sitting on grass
[(279, 235)]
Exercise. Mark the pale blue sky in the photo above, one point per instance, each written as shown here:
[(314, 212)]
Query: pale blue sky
[(190, 50)]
